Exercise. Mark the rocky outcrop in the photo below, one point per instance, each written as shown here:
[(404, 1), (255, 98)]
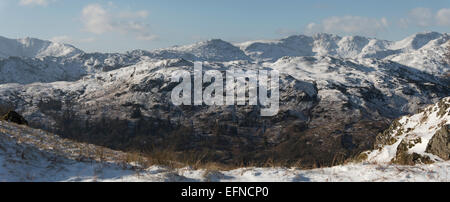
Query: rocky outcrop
[(439, 145), (404, 157), (421, 138)]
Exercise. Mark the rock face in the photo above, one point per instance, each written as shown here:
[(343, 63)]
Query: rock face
[(404, 157), (440, 143), (420, 138), (15, 117)]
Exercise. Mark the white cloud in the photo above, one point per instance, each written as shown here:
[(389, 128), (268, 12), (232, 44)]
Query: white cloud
[(425, 17), (35, 2), (443, 17), (96, 19), (349, 25), (137, 14), (148, 37), (69, 40), (286, 32), (62, 39), (421, 16), (99, 20), (87, 40)]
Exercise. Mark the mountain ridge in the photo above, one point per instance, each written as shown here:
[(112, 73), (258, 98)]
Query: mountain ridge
[(35, 48), (422, 51)]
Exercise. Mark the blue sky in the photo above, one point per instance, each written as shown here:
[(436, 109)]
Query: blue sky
[(117, 26)]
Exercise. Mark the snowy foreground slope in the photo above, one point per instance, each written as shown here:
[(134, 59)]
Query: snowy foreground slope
[(34, 155), (419, 138)]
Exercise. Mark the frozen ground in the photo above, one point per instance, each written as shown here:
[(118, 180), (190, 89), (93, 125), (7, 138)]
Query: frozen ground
[(347, 173)]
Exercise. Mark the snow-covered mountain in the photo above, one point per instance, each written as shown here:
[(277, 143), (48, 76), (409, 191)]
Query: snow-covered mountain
[(333, 105), (35, 48), (215, 50), (423, 51), (43, 61), (336, 95), (26, 70)]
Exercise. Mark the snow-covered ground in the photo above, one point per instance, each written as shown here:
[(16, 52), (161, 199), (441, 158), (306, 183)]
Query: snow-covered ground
[(347, 173), (34, 155), (415, 131)]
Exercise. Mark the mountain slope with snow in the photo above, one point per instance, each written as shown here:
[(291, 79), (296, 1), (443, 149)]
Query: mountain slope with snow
[(418, 138), (30, 155), (133, 104), (25, 70), (32, 60), (423, 51), (215, 50), (35, 48), (336, 94)]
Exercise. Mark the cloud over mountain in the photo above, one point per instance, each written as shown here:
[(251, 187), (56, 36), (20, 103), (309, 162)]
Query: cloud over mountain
[(426, 17), (99, 20), (349, 25)]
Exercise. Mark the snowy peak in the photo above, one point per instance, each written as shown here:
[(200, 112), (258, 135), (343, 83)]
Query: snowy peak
[(347, 47), (35, 48), (321, 44), (417, 41), (215, 50), (352, 45), (422, 51), (272, 50)]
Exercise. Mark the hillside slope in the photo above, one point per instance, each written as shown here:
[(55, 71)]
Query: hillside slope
[(34, 155), (418, 138), (30, 155)]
